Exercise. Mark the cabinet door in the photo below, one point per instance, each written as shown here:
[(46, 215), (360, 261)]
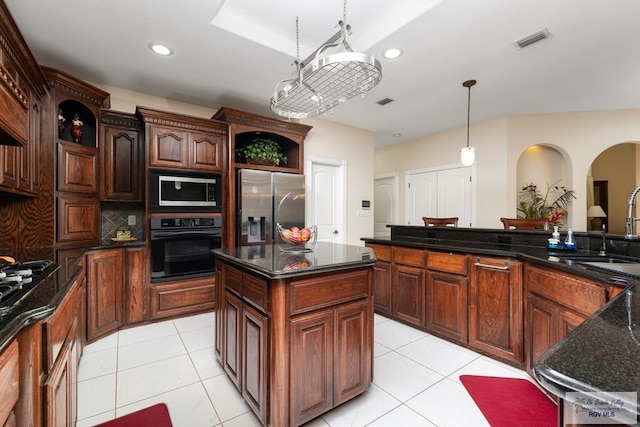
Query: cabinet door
[(382, 296), (121, 167), (8, 166), (255, 356), (541, 327), (354, 345), (77, 168), (232, 347), (408, 294), (136, 281), (495, 310), (10, 380), (59, 388), (311, 375), (446, 305), (78, 218), (104, 292), (169, 147), (206, 152)]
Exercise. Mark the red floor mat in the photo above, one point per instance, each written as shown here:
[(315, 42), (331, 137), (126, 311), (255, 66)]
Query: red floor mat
[(153, 416), (510, 401)]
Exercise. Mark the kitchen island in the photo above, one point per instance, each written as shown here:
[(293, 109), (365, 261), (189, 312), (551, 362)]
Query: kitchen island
[(294, 331)]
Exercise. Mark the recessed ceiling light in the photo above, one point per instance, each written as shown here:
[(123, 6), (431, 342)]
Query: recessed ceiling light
[(396, 135), (392, 53), (160, 49)]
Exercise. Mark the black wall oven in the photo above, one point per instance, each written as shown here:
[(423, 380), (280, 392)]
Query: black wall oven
[(181, 246)]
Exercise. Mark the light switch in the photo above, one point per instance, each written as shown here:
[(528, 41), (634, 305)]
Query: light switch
[(132, 220)]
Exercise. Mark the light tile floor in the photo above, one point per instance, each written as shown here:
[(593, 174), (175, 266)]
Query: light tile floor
[(415, 379)]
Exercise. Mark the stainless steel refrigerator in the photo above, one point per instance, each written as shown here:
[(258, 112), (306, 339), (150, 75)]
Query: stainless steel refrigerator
[(265, 199)]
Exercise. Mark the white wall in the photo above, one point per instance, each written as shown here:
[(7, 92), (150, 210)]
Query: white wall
[(335, 141), (326, 139), (580, 137)]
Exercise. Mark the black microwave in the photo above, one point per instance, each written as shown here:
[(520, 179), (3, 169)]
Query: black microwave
[(184, 192)]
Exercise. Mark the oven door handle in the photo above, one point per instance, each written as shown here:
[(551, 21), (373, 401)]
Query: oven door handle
[(157, 234)]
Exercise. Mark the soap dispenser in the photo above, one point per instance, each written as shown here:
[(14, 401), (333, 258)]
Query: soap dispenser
[(569, 241), (554, 241)]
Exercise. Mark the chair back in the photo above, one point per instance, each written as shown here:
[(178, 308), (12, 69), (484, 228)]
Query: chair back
[(440, 222), (525, 224)]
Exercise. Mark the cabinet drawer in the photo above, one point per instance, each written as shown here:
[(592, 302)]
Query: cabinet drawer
[(409, 256), (254, 290), (9, 380), (447, 262), (582, 296), (328, 290), (232, 279), (383, 252)]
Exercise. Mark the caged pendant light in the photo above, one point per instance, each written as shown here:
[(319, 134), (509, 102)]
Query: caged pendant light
[(325, 80), (468, 154)]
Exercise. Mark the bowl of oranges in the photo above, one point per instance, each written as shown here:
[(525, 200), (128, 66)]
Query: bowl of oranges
[(296, 239)]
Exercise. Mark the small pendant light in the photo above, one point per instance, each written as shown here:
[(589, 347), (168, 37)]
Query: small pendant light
[(468, 154)]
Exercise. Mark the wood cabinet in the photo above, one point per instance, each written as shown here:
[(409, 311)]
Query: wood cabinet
[(182, 297), (495, 308), (22, 90), (382, 279), (446, 295), (62, 342), (408, 272), (10, 381), (242, 127), (136, 284), (77, 168), (183, 142), (122, 166), (104, 292), (270, 331), (78, 218), (555, 304)]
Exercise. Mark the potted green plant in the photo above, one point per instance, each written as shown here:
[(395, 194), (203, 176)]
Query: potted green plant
[(262, 151), (552, 205)]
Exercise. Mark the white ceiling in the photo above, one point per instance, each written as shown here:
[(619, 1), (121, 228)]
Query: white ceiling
[(232, 53)]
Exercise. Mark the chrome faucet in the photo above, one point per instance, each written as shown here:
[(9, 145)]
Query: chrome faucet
[(603, 248), (630, 222)]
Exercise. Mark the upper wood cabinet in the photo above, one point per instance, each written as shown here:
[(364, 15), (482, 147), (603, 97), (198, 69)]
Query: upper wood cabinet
[(242, 128), (22, 90), (77, 166), (21, 83), (183, 142), (121, 157)]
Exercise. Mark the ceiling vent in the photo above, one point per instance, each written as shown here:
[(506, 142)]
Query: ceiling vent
[(532, 38), (384, 101)]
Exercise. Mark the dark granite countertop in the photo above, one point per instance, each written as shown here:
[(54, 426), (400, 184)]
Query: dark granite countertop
[(601, 357), (270, 261), (49, 289)]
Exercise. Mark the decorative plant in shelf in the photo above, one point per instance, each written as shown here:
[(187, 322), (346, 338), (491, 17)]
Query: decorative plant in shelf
[(262, 151), (552, 205)]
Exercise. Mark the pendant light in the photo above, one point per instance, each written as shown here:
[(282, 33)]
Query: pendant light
[(468, 154)]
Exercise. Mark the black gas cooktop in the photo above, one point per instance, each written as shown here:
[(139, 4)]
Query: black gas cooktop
[(18, 279)]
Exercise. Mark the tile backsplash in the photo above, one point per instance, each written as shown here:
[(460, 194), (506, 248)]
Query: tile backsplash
[(116, 215)]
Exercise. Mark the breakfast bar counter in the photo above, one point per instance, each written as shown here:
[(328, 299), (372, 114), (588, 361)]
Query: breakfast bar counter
[(294, 331)]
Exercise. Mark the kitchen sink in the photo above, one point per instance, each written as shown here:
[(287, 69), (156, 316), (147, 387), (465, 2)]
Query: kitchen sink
[(597, 259)]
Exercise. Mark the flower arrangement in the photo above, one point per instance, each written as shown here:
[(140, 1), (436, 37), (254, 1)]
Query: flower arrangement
[(552, 205)]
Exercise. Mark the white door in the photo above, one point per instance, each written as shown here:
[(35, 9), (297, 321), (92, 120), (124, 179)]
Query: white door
[(385, 205), (445, 192), (326, 189), (422, 197), (454, 194)]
